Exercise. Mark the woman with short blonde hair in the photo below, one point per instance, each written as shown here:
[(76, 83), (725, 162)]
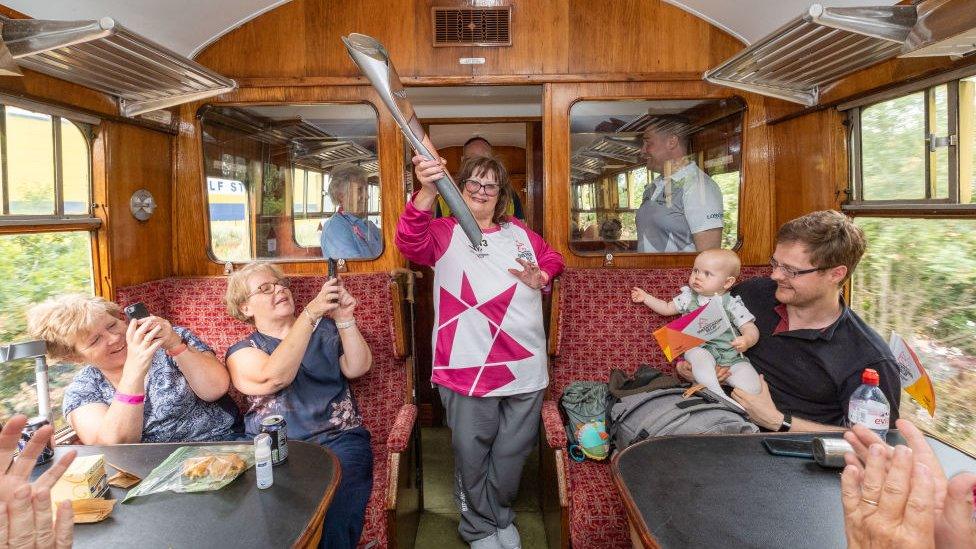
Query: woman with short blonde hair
[(142, 380), (298, 366)]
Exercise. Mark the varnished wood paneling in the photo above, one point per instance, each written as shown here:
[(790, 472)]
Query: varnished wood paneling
[(191, 242), (756, 200), (622, 40), (136, 158), (810, 164)]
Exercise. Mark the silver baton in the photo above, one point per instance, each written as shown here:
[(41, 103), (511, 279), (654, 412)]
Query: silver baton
[(374, 62)]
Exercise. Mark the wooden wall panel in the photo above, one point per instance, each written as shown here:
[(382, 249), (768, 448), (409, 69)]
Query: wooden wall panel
[(191, 242), (810, 164), (756, 200), (137, 158), (552, 40)]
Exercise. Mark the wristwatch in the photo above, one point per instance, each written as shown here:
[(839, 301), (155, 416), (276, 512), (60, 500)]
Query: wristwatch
[(787, 423)]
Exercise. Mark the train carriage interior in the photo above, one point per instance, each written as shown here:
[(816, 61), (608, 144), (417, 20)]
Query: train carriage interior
[(154, 152)]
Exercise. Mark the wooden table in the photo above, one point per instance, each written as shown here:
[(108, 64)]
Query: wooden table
[(727, 491), (239, 515)]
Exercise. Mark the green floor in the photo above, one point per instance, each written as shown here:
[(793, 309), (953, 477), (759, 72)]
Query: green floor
[(438, 523)]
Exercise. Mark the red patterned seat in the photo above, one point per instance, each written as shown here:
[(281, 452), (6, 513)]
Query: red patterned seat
[(598, 328), (383, 394)]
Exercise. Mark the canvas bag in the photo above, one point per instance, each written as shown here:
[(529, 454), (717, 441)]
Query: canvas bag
[(661, 412), (584, 402)]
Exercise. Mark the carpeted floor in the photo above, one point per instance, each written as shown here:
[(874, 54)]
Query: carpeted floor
[(438, 523)]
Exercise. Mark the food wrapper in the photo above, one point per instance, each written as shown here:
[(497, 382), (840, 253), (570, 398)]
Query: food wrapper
[(122, 479), (91, 510), (196, 469)]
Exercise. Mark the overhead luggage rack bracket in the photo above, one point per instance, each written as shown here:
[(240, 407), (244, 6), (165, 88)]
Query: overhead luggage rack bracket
[(818, 47), (105, 56)]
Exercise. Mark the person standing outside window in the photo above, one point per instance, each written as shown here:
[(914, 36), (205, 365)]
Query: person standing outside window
[(681, 209)]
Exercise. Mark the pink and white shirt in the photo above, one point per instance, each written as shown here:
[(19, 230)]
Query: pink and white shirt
[(489, 339)]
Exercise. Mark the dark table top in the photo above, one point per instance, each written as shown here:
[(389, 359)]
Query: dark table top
[(237, 515), (727, 491)]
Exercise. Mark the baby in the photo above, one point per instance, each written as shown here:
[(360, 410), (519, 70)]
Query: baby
[(714, 273)]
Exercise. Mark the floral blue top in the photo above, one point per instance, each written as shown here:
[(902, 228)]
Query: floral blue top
[(172, 413), (318, 405)]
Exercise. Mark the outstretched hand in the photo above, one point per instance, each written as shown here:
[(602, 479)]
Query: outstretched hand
[(25, 507), (531, 274)]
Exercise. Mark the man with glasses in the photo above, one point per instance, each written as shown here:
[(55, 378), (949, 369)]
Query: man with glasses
[(812, 347)]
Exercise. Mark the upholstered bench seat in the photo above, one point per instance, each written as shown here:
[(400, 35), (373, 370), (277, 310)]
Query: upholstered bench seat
[(596, 328), (384, 394)]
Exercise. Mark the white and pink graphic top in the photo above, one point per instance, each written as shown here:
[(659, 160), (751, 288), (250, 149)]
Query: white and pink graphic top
[(489, 338)]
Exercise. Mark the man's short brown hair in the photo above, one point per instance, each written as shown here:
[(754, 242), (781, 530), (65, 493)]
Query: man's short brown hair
[(831, 238)]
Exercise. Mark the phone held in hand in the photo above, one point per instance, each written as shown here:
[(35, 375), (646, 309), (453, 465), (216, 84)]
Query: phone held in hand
[(135, 311), (333, 268)]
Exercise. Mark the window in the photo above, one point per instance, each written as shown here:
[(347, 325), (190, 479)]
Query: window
[(45, 182), (637, 167), (918, 278), (912, 156), (916, 150), (292, 181)]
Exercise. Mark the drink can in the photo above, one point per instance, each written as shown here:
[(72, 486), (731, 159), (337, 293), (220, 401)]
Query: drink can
[(33, 425), (829, 452), (276, 427)]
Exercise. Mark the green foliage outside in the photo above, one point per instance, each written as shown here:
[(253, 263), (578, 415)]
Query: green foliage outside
[(35, 267)]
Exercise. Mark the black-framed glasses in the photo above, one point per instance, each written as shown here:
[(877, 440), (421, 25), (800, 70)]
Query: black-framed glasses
[(473, 186), (268, 288), (792, 272)]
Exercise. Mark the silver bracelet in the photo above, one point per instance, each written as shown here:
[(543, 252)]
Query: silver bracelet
[(346, 324)]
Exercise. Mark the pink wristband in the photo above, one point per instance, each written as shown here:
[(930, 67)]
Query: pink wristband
[(130, 399)]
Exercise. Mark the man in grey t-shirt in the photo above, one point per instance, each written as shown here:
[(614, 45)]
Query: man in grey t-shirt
[(681, 210)]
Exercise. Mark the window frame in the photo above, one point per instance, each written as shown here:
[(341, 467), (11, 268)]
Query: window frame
[(952, 205)]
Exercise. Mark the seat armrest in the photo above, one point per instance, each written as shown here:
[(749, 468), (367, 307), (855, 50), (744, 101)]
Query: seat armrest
[(552, 423), (402, 427)]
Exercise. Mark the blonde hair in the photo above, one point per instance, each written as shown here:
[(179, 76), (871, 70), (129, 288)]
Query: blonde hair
[(60, 320), (237, 289), (729, 259)]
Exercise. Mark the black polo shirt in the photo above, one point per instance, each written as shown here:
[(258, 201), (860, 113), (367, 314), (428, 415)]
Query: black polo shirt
[(812, 373)]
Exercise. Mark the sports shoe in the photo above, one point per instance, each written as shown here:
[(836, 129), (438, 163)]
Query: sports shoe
[(509, 537)]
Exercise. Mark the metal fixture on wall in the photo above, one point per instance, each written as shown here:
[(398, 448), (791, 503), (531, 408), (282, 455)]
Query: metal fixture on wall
[(142, 204)]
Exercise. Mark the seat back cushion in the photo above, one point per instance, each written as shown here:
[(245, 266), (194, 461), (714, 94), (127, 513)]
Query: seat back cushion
[(600, 328)]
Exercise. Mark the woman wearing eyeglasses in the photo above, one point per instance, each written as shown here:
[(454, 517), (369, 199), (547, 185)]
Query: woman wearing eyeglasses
[(297, 364), (489, 342), (141, 381)]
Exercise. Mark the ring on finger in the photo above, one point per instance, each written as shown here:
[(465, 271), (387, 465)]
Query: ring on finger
[(870, 502)]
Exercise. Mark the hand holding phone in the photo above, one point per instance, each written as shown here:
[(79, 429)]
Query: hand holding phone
[(135, 311)]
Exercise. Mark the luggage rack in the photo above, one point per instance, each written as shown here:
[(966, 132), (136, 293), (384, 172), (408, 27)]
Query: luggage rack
[(105, 56), (817, 48)]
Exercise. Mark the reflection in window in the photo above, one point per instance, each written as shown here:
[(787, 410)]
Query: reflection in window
[(918, 278), (655, 176), (285, 159)]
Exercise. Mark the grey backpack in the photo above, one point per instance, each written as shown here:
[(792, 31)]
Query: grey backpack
[(666, 412)]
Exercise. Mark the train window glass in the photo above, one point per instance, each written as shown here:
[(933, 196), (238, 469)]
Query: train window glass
[(308, 178), (75, 169), (655, 176), (893, 149), (30, 162), (967, 140), (44, 265), (918, 279)]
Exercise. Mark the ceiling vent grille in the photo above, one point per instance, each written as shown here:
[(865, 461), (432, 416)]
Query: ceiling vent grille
[(472, 26)]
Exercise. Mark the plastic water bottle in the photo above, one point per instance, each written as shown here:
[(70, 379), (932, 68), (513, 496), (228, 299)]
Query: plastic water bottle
[(262, 460), (868, 405)]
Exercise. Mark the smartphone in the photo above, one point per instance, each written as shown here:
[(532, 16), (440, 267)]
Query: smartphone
[(136, 310), (789, 447), (333, 268)]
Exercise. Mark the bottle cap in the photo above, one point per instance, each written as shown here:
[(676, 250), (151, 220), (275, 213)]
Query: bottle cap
[(870, 377)]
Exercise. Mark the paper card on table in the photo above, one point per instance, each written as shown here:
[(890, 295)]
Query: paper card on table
[(691, 330), (92, 510), (914, 379)]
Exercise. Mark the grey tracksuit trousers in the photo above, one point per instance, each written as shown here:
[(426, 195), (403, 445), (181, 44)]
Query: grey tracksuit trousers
[(491, 437)]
